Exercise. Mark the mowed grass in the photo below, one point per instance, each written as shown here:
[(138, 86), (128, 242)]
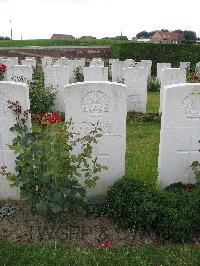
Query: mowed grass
[(49, 42), (142, 145), (12, 254), (153, 102)]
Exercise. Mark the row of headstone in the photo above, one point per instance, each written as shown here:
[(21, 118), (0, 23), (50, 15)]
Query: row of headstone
[(88, 104), (135, 76)]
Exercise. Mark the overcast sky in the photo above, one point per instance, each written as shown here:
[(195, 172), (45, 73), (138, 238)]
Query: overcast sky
[(39, 19)]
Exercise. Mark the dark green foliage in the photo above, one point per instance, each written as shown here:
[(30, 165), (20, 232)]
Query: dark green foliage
[(132, 203), (4, 38), (173, 213), (140, 117), (153, 84), (173, 53), (178, 214), (41, 98), (78, 74)]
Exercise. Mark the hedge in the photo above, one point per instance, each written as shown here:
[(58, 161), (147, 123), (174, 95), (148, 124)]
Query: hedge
[(173, 53)]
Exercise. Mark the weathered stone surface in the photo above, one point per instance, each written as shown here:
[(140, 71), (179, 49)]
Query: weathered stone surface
[(11, 91), (136, 82), (185, 65), (46, 61), (170, 76), (160, 67), (19, 73), (29, 62), (117, 71), (103, 103), (95, 73), (180, 134), (97, 62), (57, 77)]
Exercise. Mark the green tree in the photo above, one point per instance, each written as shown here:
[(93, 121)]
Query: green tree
[(190, 36)]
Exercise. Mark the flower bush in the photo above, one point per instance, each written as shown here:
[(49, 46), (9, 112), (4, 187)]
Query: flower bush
[(47, 168), (41, 98), (2, 71)]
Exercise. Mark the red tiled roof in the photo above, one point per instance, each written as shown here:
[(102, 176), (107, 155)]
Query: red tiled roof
[(170, 36), (61, 36)]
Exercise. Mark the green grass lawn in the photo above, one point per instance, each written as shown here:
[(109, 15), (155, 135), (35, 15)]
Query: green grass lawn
[(49, 42), (143, 144), (16, 254), (153, 101)]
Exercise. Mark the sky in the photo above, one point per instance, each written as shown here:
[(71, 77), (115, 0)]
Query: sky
[(39, 19)]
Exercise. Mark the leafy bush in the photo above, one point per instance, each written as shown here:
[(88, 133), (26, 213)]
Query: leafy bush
[(174, 53), (41, 98), (173, 213), (177, 214), (132, 203), (78, 74), (153, 84), (47, 170), (140, 117)]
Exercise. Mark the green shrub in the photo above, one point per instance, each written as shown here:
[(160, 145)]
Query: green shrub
[(47, 171), (132, 203), (78, 74), (41, 98), (177, 214), (173, 53), (173, 213), (153, 84)]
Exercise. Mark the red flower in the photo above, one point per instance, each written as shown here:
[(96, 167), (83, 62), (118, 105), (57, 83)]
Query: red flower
[(57, 117), (2, 68), (38, 117), (107, 244)]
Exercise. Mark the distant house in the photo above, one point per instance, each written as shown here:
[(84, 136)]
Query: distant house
[(143, 40), (167, 37), (88, 37), (62, 37)]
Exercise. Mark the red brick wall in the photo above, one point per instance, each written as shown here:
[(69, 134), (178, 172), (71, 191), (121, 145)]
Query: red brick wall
[(71, 52)]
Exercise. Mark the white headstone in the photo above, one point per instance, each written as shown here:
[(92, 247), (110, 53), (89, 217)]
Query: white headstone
[(113, 60), (185, 65), (136, 81), (129, 63), (14, 60), (180, 133), (29, 62), (7, 62), (62, 61), (103, 103), (198, 69), (10, 91), (160, 67), (97, 62), (170, 76), (147, 64), (19, 73), (95, 73), (57, 77), (46, 61), (117, 71)]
